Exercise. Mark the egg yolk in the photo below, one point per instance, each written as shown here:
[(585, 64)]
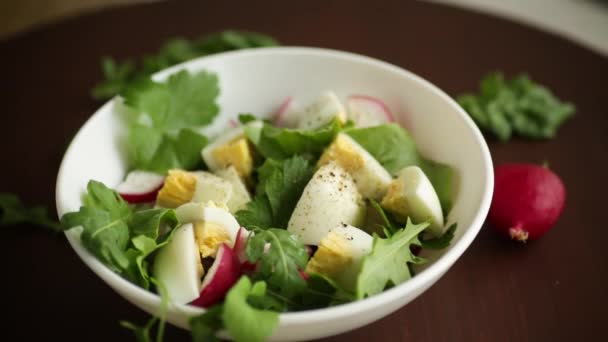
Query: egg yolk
[(209, 237), (333, 256), (178, 189), (236, 153), (395, 201), (344, 153)]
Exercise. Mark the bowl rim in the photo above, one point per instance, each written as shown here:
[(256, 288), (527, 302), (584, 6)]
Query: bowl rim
[(427, 276)]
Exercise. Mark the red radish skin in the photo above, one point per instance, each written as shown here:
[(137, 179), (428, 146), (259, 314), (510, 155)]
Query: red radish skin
[(233, 123), (224, 273), (140, 187), (527, 202), (368, 111), (279, 116), (240, 244)]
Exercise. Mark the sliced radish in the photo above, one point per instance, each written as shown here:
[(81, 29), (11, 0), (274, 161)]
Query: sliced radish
[(140, 186), (286, 115), (224, 272), (368, 111), (241, 244), (233, 123)]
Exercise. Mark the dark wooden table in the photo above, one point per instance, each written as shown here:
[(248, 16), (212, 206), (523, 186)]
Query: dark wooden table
[(549, 290)]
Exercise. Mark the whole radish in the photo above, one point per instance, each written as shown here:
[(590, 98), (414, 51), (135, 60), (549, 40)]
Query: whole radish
[(528, 200)]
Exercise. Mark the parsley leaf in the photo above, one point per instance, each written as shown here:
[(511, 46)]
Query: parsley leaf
[(280, 143), (280, 185), (117, 236), (395, 149), (184, 101), (13, 212), (280, 263), (119, 76), (519, 106), (243, 322), (104, 221), (387, 264)]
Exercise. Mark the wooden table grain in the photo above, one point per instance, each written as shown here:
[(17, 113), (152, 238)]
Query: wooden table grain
[(554, 289)]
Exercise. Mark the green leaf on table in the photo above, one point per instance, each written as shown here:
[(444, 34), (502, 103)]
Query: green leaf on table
[(243, 322), (395, 149), (14, 212), (387, 264), (519, 106), (280, 263), (280, 185), (119, 76)]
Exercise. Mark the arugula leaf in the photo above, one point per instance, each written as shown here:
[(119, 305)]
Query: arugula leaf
[(280, 186), (13, 212), (279, 264), (387, 264), (280, 143), (204, 327), (243, 322), (389, 228), (519, 106), (440, 242), (117, 236), (119, 76), (322, 292), (182, 102), (395, 149)]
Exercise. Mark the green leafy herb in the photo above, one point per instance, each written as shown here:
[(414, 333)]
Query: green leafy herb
[(278, 264), (144, 333), (280, 143), (116, 235), (204, 327), (395, 149), (13, 212), (322, 292), (183, 102), (118, 76), (279, 188), (388, 227), (243, 322), (519, 106), (440, 242), (387, 264)]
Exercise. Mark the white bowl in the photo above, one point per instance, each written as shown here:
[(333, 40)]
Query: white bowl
[(256, 81)]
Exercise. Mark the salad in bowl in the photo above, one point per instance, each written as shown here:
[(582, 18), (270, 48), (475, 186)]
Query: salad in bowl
[(322, 202)]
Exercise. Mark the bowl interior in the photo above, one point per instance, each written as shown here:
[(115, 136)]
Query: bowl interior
[(257, 81)]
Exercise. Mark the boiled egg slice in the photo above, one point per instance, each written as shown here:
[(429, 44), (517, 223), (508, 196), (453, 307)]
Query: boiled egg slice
[(213, 226), (330, 198), (178, 267), (231, 148), (372, 179), (340, 255), (412, 195), (321, 112)]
